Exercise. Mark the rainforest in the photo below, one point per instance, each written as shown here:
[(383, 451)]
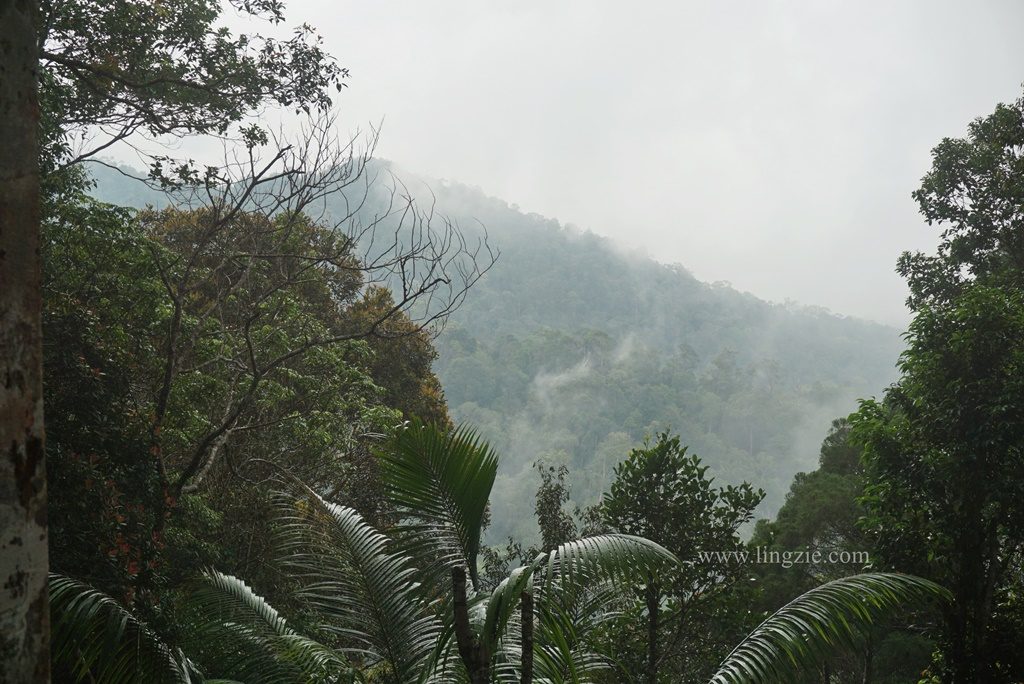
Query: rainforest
[(282, 402)]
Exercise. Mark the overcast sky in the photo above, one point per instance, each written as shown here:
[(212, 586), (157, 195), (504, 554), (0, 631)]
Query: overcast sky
[(773, 144)]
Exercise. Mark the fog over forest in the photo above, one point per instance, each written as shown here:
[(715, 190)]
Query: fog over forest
[(564, 342), (571, 351), (772, 145)]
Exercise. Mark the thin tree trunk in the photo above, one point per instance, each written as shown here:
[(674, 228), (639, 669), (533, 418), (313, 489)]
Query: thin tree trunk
[(472, 652), (869, 655), (24, 607), (527, 634), (652, 632)]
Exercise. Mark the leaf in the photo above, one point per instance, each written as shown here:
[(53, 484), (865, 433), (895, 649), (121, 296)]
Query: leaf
[(441, 482), (252, 641), (96, 639), (367, 593), (798, 637)]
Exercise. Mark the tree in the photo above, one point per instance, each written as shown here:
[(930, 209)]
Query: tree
[(238, 326), (268, 273), (386, 613), (24, 612), (820, 514), (272, 347), (943, 456), (556, 525), (134, 72), (820, 518), (974, 189), (662, 493), (943, 449), (402, 359)]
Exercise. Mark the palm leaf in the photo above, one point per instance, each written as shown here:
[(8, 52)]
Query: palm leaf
[(562, 652), (573, 586), (367, 593), (802, 634), (441, 482), (252, 642), (94, 638)]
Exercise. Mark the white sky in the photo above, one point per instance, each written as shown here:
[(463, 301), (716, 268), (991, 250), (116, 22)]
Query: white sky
[(770, 143)]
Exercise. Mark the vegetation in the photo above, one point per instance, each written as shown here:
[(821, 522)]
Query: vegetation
[(401, 606), (821, 518), (693, 612), (252, 469), (943, 449), (628, 349)]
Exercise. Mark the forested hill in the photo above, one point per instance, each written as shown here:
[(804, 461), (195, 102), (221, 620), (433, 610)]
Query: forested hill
[(571, 351)]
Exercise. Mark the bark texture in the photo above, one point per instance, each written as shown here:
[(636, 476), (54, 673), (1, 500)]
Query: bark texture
[(24, 608), (472, 652)]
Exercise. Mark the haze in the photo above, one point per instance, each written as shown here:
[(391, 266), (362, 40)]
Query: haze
[(773, 145)]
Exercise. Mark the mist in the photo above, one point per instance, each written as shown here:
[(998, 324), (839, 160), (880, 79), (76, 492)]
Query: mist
[(773, 145), (526, 341)]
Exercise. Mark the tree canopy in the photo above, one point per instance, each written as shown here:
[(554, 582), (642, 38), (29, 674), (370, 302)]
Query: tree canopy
[(943, 449)]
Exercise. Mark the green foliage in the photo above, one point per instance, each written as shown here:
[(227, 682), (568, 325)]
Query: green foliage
[(440, 481), (240, 633), (974, 190), (802, 634), (364, 592), (115, 519), (821, 516), (943, 448), (943, 460), (377, 620), (95, 639), (664, 494), (128, 68), (556, 524), (821, 513), (103, 310), (377, 607)]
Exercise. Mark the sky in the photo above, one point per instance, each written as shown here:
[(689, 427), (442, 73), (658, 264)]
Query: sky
[(772, 144)]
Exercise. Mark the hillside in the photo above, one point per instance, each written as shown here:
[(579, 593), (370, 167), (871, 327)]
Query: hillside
[(571, 351)]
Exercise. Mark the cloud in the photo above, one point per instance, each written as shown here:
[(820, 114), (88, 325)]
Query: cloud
[(771, 144)]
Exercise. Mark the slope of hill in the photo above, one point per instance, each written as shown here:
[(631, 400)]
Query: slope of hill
[(571, 351)]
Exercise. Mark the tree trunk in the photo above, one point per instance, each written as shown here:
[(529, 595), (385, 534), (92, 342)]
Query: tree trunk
[(653, 596), (968, 615), (472, 652), (527, 634), (24, 608), (869, 655)]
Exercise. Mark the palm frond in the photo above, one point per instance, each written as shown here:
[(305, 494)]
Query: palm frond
[(94, 638), (251, 641), (802, 634), (441, 482), (573, 586), (564, 622), (367, 593), (615, 558)]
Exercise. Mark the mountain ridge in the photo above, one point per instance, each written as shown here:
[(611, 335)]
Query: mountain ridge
[(571, 351)]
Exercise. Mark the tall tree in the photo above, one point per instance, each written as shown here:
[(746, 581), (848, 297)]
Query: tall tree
[(943, 450), (233, 326), (664, 494), (24, 610), (945, 464), (820, 519)]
